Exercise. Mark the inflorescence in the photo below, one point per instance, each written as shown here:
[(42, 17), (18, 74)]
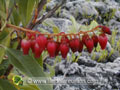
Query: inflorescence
[(62, 43)]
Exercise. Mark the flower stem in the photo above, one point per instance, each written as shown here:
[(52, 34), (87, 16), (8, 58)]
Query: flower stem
[(49, 34)]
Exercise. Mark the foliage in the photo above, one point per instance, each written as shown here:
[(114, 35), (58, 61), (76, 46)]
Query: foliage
[(27, 64), (21, 13), (5, 84)]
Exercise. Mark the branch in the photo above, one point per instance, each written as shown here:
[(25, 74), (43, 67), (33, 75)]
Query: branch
[(41, 4), (7, 19), (36, 13), (49, 34), (49, 14), (10, 12)]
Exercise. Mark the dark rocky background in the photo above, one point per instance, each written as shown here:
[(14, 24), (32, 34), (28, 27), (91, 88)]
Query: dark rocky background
[(105, 12)]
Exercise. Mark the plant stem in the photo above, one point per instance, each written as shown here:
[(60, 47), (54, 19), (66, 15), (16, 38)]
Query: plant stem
[(3, 26), (36, 13), (49, 14), (49, 34)]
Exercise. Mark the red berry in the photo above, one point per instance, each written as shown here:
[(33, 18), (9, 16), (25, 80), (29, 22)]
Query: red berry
[(80, 46), (25, 45), (77, 43), (42, 41), (103, 40), (84, 37), (106, 29), (89, 44), (33, 44), (64, 39), (51, 48), (74, 44), (37, 50), (95, 40), (64, 48)]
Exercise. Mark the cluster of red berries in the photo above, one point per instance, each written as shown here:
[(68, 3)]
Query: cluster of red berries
[(40, 43)]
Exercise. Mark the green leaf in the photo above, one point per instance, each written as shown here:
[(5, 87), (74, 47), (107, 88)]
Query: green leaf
[(5, 85), (11, 3), (89, 27), (75, 26), (42, 30), (22, 10), (51, 69), (15, 18), (29, 87), (5, 41), (29, 12), (58, 59), (93, 24), (2, 5), (83, 27), (73, 57), (40, 61), (93, 56), (28, 65), (113, 37), (25, 10), (100, 58), (50, 23), (3, 35), (98, 48), (56, 29), (118, 45), (78, 57), (111, 52), (2, 15)]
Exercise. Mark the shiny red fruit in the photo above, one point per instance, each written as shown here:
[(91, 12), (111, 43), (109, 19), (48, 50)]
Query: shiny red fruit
[(84, 37), (64, 39), (25, 45), (106, 29), (37, 50), (80, 46), (51, 48), (42, 41), (32, 45), (95, 40), (74, 44), (103, 40), (64, 48), (57, 48), (89, 44), (77, 43)]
